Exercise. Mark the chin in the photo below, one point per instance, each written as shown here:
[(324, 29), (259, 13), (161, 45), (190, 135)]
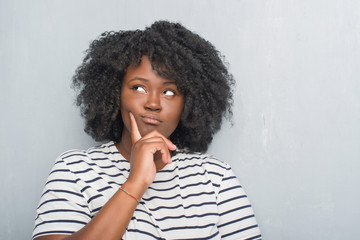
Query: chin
[(149, 128)]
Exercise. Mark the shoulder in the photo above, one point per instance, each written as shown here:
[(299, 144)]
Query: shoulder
[(99, 155), (211, 164), (183, 155)]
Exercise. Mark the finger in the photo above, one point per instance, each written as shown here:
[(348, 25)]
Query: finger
[(135, 134), (155, 133), (165, 156), (163, 152), (170, 145), (158, 146)]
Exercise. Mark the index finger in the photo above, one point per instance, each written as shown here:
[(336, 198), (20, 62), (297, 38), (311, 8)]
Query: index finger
[(135, 134)]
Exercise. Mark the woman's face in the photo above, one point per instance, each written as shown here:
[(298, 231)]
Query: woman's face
[(155, 101)]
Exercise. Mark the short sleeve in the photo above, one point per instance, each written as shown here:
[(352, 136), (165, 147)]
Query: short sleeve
[(62, 208), (237, 219)]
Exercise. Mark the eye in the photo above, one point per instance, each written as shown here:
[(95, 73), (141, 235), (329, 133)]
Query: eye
[(139, 88), (169, 92)]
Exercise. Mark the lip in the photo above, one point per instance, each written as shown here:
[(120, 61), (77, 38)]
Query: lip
[(151, 119)]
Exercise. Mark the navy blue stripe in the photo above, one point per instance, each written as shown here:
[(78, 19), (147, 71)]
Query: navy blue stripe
[(165, 207), (195, 184), (165, 181), (95, 151), (235, 209), (228, 178), (230, 188), (162, 198), (94, 197), (189, 158), (215, 173), (216, 185), (206, 160), (96, 165), (79, 161), (52, 232), (114, 175), (112, 182), (240, 230), (255, 237), (59, 161), (170, 170), (107, 145), (75, 154), (146, 222), (60, 180), (190, 166), (95, 210), (60, 200), (102, 152), (98, 159), (181, 205), (199, 204), (52, 200), (164, 189), (198, 194), (63, 210), (91, 163), (93, 180), (62, 191), (192, 175), (61, 221), (232, 199), (119, 161), (59, 170), (83, 189), (104, 188), (86, 156), (188, 227), (177, 185), (236, 220), (83, 171), (106, 167), (184, 216), (144, 233), (143, 211), (178, 195), (218, 165)]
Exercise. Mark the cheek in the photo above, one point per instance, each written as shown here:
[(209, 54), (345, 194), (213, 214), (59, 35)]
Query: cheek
[(125, 107), (128, 101), (176, 110), (180, 106)]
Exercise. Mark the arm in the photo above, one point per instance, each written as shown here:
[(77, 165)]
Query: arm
[(109, 223), (237, 219), (112, 220)]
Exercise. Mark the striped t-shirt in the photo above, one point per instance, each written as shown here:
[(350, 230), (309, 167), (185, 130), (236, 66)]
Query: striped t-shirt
[(194, 197)]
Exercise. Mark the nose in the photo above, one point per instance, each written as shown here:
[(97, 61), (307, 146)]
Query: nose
[(153, 102)]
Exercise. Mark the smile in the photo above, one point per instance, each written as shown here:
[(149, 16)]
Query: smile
[(151, 119)]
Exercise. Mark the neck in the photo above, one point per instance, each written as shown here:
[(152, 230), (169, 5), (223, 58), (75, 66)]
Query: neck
[(124, 146)]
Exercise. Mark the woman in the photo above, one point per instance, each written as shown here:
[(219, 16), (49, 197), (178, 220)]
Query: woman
[(158, 95)]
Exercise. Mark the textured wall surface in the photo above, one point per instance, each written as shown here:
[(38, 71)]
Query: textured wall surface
[(295, 142)]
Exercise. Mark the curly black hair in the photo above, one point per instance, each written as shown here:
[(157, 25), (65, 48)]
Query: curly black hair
[(175, 52)]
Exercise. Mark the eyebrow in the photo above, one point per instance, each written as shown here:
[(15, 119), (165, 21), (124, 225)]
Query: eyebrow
[(147, 80)]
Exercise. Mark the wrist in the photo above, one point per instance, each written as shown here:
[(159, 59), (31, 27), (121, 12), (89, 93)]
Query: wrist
[(135, 188)]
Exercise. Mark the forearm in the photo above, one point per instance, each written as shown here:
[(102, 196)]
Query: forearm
[(113, 218)]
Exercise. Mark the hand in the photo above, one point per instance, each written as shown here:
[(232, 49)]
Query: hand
[(149, 154)]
